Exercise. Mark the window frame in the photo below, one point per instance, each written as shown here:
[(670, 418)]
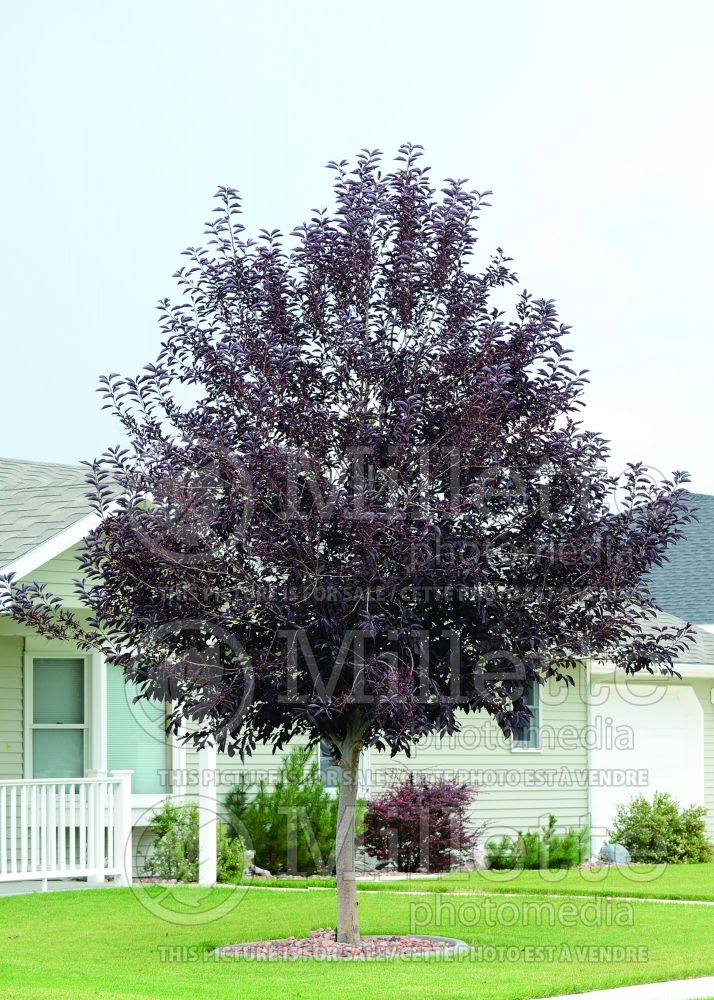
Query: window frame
[(535, 705), (331, 789), (363, 778), (30, 725)]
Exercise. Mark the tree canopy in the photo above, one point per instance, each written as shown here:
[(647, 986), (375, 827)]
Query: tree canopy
[(355, 494)]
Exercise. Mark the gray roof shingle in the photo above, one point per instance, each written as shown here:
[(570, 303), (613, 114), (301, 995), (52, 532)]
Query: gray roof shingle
[(37, 501), (684, 586), (700, 652)]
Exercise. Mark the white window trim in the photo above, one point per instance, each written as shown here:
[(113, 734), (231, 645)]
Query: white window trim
[(28, 706), (97, 742), (363, 789), (177, 762), (515, 748), (331, 790)]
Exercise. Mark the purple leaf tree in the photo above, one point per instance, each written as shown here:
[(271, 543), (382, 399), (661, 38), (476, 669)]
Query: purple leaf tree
[(356, 500)]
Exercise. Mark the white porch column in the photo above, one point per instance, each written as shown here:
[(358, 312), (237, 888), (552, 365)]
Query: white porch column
[(123, 848), (207, 816), (96, 833), (178, 765), (98, 713)]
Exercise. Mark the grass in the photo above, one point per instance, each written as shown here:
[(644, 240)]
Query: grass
[(633, 881), (124, 944)]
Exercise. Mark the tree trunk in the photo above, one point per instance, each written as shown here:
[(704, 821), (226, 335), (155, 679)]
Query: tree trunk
[(347, 918)]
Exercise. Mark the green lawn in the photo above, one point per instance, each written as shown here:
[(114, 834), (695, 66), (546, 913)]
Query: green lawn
[(120, 943), (635, 881)]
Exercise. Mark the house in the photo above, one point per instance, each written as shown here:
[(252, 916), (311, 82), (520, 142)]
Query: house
[(685, 586), (82, 767)]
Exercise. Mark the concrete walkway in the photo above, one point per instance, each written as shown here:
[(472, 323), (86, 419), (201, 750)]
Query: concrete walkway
[(680, 989)]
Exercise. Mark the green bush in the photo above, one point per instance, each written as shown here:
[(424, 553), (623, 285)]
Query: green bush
[(231, 856), (660, 831), (291, 826), (540, 849), (174, 853)]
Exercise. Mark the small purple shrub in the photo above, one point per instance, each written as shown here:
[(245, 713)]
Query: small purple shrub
[(421, 823)]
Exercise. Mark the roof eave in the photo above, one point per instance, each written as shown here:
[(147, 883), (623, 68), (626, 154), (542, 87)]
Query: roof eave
[(688, 671), (50, 548)]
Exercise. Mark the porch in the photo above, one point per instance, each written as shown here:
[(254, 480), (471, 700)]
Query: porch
[(81, 764), (66, 829)]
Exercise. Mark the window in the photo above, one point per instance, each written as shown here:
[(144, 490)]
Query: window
[(58, 718), (331, 772), (328, 762), (136, 734), (528, 736)]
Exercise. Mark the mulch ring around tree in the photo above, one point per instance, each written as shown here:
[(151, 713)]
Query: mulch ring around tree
[(323, 944)]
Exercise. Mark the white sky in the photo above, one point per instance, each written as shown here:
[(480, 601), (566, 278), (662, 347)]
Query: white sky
[(591, 122)]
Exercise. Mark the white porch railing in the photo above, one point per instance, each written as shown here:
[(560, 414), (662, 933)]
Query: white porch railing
[(74, 828)]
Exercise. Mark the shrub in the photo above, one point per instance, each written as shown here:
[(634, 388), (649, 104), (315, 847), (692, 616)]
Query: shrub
[(174, 853), (291, 826), (231, 856), (421, 823), (539, 849), (660, 831)]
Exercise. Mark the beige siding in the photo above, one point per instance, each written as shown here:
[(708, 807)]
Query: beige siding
[(59, 575), (515, 789), (262, 765), (511, 794), (11, 724)]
